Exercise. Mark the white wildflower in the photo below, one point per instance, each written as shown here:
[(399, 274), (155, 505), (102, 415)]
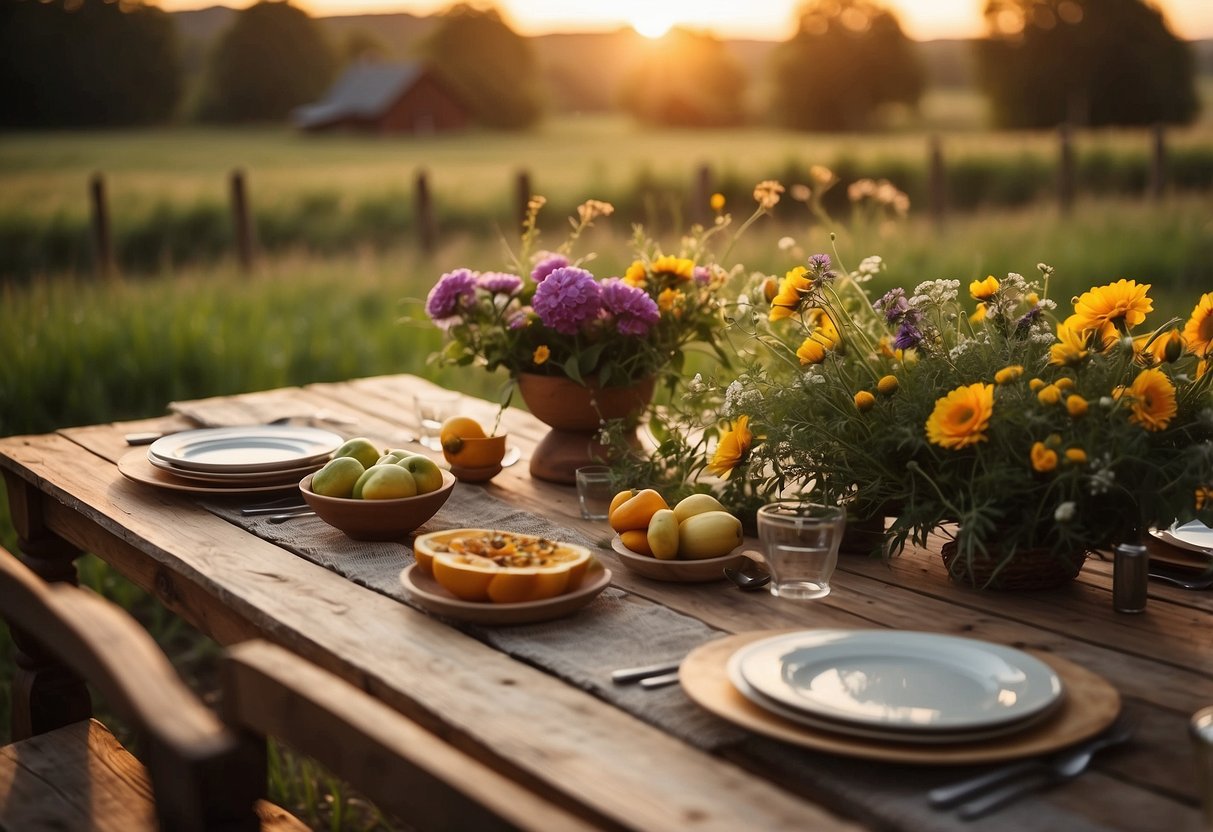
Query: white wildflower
[(1065, 512), (786, 243), (935, 292)]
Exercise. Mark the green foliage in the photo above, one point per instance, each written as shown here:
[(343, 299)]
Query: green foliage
[(1088, 62), (72, 63), (847, 58), (489, 64), (273, 58), (688, 79)]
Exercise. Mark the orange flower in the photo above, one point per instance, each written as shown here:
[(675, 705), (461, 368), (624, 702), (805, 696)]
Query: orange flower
[(823, 339), (1198, 332), (865, 401), (888, 385), (1008, 374), (1076, 406), (679, 268), (732, 448), (961, 417), (1076, 456), (541, 354), (636, 275), (1044, 458), (717, 202), (1049, 394), (1071, 347), (1151, 398), (792, 290), (1122, 303)]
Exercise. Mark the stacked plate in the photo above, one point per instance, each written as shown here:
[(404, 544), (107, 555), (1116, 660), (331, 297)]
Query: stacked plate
[(898, 686), (244, 457)]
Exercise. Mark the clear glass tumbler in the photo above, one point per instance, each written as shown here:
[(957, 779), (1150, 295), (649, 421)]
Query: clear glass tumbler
[(432, 410), (594, 491), (800, 543)]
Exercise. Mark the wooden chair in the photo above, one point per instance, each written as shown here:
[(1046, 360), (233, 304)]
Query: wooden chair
[(208, 773)]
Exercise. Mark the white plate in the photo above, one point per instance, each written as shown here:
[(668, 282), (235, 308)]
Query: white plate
[(873, 733), (237, 477), (245, 450), (900, 680), (1194, 536)]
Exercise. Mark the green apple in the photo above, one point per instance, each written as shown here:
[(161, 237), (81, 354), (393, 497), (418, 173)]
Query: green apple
[(388, 482), (425, 471), (361, 449), (338, 477)]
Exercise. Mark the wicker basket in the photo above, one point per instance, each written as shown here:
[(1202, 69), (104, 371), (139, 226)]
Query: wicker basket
[(1029, 569)]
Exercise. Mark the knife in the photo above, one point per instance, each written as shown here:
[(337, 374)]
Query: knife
[(1035, 774), (627, 675)]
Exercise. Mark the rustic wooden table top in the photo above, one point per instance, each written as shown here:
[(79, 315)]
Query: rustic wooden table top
[(580, 751)]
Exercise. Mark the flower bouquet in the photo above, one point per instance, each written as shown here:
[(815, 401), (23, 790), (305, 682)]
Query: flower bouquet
[(1020, 435)]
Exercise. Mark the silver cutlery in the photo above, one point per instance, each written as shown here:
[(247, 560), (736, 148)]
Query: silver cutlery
[(283, 508), (282, 518), (647, 675), (989, 791), (749, 576), (1200, 580)]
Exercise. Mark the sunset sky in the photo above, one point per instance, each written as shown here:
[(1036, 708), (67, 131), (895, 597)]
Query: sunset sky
[(768, 19)]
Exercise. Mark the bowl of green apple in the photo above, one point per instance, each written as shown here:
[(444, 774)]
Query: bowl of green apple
[(376, 495)]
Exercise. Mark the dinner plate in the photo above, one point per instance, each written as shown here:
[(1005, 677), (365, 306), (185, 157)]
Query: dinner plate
[(678, 571), (136, 467), (246, 449), (876, 733), (900, 680), (1090, 705), (238, 477), (432, 597), (1194, 536)]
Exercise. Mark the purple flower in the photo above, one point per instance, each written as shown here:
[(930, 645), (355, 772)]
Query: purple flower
[(635, 312), (567, 299), (500, 283), (908, 337), (1028, 319), (453, 289), (893, 304), (702, 275), (548, 265), (520, 319), (819, 262)]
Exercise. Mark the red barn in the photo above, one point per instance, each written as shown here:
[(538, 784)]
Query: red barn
[(386, 98)]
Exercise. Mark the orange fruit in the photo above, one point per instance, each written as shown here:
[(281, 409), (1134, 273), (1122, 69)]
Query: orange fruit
[(456, 429), (636, 512), (502, 567)]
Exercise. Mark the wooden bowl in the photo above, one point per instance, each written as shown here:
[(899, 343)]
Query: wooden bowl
[(676, 571), (377, 519)]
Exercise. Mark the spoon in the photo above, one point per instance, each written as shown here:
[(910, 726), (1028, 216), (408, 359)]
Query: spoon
[(1199, 582), (282, 518), (749, 576)]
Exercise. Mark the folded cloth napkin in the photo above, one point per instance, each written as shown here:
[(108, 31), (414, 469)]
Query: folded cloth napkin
[(617, 629)]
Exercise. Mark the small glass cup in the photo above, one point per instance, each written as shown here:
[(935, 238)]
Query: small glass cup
[(432, 410), (1201, 729), (800, 543), (594, 491)]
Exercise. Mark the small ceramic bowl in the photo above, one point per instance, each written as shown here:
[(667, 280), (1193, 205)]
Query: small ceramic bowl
[(377, 519), (478, 460), (676, 571)]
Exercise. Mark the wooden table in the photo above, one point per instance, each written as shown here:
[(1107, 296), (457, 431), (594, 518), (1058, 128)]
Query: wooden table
[(67, 496)]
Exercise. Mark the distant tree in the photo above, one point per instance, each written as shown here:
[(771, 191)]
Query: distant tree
[(76, 63), (846, 59), (489, 64), (686, 79), (272, 58), (1091, 62)]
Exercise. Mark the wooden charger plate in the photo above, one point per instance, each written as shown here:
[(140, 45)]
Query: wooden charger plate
[(1089, 705), (431, 596), (135, 466)]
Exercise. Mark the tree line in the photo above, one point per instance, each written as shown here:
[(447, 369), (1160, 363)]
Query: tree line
[(73, 63)]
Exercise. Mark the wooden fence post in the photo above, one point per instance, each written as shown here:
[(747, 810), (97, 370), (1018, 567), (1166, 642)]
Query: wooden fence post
[(1065, 169), (701, 195), (1158, 162), (522, 194), (423, 204), (103, 245), (242, 221), (937, 187)]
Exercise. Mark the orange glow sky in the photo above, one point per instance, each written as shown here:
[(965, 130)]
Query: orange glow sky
[(767, 19)]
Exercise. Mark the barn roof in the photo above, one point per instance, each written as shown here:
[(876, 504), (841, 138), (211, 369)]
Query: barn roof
[(363, 91)]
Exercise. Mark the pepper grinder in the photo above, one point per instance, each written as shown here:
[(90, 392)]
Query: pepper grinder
[(1130, 575)]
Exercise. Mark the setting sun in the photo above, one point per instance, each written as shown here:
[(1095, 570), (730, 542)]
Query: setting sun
[(652, 23)]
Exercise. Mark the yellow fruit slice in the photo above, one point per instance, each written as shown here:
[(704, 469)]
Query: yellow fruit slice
[(501, 567)]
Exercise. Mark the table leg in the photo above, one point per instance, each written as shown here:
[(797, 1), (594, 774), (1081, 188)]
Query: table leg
[(46, 694)]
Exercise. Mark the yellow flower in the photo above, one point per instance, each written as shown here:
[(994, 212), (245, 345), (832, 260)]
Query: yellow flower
[(671, 300), (865, 401), (979, 314), (732, 448), (1123, 302), (1076, 456), (1036, 384), (770, 288), (541, 354), (717, 202), (1198, 332), (1064, 383), (1204, 494), (1151, 398), (811, 351), (984, 289), (1204, 367), (1044, 459), (636, 275), (1076, 406), (1049, 394), (679, 268), (961, 417), (1071, 347), (1008, 374), (888, 385), (792, 289)]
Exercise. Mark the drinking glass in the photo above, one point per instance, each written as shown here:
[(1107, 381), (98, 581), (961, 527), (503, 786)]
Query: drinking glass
[(594, 491), (1201, 729), (432, 410), (800, 542)]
